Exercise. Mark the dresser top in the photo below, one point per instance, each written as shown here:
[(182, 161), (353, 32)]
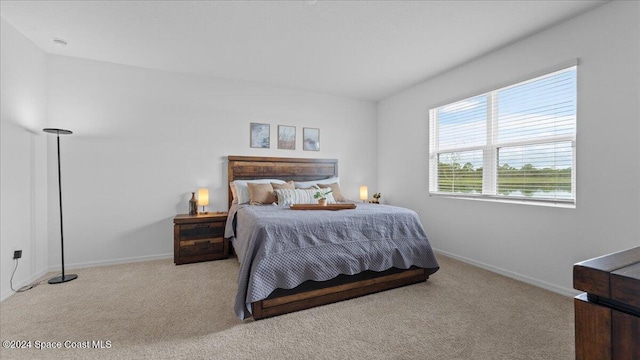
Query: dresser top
[(186, 218), (615, 276)]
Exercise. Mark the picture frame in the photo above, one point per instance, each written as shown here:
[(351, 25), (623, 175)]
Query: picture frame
[(260, 135), (286, 137), (311, 139)]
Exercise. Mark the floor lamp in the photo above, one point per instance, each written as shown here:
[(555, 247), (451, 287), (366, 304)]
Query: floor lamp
[(68, 277)]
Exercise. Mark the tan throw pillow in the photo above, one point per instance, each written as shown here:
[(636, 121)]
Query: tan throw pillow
[(335, 190), (261, 194), (234, 193), (287, 185)]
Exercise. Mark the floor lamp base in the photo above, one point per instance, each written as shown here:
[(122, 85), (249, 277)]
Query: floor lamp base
[(62, 279)]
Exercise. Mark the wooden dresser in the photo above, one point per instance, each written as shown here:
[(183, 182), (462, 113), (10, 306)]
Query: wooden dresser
[(199, 238), (607, 315)]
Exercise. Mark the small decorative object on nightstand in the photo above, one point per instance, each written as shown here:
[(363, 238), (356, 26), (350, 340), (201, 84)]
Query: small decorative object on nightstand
[(199, 238), (193, 204)]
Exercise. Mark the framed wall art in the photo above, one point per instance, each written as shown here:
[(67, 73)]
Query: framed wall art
[(260, 135), (311, 139), (286, 137)]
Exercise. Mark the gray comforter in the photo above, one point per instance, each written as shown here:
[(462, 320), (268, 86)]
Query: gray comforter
[(281, 248)]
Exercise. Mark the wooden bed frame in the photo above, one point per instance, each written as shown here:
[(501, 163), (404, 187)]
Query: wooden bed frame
[(313, 293)]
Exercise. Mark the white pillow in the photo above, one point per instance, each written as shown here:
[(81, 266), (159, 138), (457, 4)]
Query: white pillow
[(312, 183), (240, 189), (300, 196)]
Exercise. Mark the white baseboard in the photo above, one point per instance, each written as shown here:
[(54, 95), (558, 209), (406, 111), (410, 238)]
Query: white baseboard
[(89, 264), (526, 279)]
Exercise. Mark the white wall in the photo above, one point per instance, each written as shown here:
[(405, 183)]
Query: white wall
[(534, 243), (23, 213), (144, 139)]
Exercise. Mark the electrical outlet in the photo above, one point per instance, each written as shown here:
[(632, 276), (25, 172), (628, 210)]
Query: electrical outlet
[(17, 254)]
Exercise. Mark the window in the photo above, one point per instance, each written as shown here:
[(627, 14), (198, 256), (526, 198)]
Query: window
[(516, 142)]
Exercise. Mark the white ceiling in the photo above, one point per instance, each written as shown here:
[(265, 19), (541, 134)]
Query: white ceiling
[(358, 49)]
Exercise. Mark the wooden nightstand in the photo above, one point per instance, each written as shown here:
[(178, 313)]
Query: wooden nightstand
[(199, 238)]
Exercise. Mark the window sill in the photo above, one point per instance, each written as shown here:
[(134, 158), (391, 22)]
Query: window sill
[(499, 199)]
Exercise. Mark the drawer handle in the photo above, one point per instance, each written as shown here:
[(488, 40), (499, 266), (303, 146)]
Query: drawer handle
[(204, 241)]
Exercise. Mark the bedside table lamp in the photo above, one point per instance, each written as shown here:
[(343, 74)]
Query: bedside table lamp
[(203, 198), (64, 277), (364, 193)]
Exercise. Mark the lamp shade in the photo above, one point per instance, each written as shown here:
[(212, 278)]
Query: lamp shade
[(203, 197), (364, 193)]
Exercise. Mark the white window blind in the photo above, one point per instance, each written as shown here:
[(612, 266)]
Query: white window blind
[(516, 142)]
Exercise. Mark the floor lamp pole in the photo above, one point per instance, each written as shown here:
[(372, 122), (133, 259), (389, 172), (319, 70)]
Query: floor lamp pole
[(68, 277)]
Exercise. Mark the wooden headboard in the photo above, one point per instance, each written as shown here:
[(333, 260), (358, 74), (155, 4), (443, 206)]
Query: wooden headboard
[(297, 169)]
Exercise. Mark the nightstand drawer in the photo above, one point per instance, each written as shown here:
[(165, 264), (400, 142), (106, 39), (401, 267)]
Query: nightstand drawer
[(201, 246), (199, 238), (202, 230)]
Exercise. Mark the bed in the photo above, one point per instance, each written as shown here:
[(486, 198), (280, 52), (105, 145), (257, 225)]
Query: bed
[(294, 260)]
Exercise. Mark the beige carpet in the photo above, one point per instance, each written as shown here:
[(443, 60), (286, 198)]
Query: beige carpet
[(156, 310)]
